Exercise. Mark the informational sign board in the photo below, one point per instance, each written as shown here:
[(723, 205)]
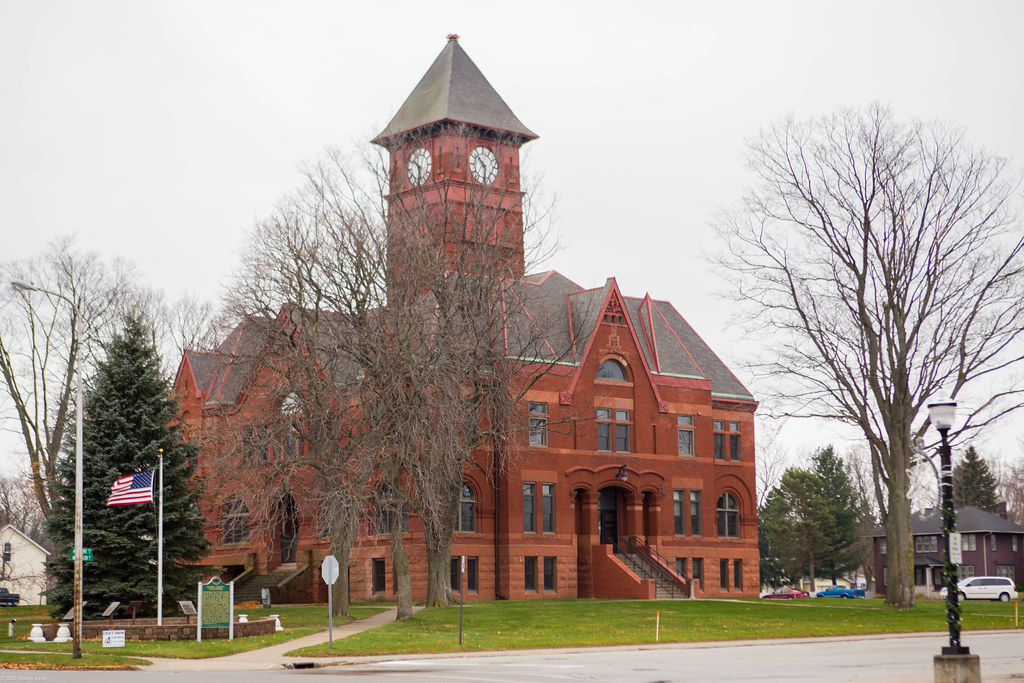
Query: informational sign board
[(216, 607), (956, 551), (113, 639), (86, 555)]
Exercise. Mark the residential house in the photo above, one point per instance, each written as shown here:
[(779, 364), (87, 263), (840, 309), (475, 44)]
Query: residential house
[(992, 546), (21, 565)]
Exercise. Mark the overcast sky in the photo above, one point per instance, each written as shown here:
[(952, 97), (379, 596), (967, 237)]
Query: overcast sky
[(159, 131)]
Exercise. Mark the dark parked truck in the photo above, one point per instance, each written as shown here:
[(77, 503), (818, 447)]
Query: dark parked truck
[(8, 598)]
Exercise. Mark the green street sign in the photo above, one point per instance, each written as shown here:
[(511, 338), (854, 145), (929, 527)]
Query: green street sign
[(86, 554)]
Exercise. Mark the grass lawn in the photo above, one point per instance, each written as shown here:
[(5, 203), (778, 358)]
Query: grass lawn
[(510, 625), (297, 621)]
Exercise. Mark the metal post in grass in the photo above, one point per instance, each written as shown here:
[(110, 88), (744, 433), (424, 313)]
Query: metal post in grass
[(462, 593), (329, 571)]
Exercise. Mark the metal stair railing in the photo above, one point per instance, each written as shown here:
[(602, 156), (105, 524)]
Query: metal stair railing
[(660, 565), (648, 569)]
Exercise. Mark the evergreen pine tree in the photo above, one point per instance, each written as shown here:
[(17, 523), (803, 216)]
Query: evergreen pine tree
[(846, 508), (973, 483), (797, 524), (129, 416)]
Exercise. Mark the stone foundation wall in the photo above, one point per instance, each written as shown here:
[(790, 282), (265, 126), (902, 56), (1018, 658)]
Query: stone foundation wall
[(173, 628)]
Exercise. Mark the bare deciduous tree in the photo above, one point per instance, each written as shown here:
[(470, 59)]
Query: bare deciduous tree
[(886, 261), (401, 312), (38, 349)]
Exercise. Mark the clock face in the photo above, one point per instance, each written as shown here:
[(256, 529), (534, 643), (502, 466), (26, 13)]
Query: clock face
[(419, 166), (484, 165)]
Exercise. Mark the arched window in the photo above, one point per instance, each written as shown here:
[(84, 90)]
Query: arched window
[(467, 509), (612, 369), (235, 521), (728, 516)]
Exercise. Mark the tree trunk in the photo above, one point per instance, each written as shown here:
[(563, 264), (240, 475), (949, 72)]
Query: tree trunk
[(810, 570), (439, 593), (340, 588), (400, 560), (899, 584)]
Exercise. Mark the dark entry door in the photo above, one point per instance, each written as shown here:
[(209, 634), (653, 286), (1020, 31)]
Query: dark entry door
[(289, 530), (609, 527)]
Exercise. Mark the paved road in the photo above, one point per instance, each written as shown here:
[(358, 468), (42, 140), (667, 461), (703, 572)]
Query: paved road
[(888, 659)]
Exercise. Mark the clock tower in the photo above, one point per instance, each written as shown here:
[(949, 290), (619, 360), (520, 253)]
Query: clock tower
[(454, 168)]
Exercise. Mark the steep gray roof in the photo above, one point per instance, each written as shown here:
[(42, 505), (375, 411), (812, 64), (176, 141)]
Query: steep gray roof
[(969, 520), (547, 317), (567, 315), (454, 90)]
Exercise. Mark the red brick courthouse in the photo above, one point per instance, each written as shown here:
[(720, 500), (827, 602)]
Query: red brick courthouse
[(642, 486)]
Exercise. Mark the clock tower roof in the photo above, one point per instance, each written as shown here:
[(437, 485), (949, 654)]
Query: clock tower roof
[(454, 90)]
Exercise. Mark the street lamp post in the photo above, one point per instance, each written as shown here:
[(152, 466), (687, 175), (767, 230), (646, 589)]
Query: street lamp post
[(942, 414), (76, 633)]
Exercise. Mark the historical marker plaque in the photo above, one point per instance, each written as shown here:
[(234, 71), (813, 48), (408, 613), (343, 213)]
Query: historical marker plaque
[(216, 608)]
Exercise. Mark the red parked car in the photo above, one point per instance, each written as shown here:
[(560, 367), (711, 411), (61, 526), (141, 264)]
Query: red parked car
[(786, 594)]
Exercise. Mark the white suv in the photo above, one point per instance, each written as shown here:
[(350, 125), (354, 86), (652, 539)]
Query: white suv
[(985, 588)]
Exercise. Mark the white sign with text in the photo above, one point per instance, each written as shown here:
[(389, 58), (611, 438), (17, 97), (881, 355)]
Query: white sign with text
[(113, 639)]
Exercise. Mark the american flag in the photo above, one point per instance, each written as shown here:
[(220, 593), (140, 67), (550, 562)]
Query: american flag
[(132, 489)]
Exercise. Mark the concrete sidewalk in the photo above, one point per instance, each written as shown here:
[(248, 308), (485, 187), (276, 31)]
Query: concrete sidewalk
[(273, 657)]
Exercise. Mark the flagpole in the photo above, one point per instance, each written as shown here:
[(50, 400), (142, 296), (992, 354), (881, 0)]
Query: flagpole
[(160, 550)]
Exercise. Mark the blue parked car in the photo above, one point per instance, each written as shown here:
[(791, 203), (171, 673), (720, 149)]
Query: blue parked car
[(840, 592)]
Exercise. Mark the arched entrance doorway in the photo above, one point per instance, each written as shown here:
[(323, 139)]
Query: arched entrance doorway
[(289, 529)]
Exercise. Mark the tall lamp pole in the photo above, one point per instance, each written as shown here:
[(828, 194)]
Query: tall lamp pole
[(76, 633), (942, 414)]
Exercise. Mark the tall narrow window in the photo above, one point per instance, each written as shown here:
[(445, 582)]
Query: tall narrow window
[(695, 527), (379, 575), (547, 492), (455, 573), (685, 424), (235, 522), (7, 551), (737, 574), (723, 574), (471, 574), (698, 571), (469, 580), (992, 542), (538, 424), (613, 430), (530, 573), (529, 506), (467, 509), (681, 566), (678, 510), (549, 573), (719, 439), (734, 440), (728, 516)]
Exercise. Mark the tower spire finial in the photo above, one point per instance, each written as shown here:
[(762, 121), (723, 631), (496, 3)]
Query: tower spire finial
[(453, 36)]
